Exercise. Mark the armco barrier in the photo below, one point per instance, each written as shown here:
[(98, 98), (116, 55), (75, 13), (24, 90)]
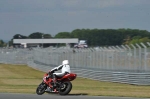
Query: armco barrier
[(120, 77)]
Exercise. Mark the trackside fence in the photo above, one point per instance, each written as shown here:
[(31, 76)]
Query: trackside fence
[(125, 64)]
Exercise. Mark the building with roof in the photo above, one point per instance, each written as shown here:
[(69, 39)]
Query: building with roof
[(41, 42)]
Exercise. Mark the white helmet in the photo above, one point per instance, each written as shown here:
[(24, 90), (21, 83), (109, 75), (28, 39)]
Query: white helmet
[(65, 62)]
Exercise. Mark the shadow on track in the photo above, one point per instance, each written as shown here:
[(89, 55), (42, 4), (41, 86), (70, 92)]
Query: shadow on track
[(77, 94)]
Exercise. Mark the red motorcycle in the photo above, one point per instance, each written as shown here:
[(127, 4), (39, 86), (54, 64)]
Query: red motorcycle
[(63, 84)]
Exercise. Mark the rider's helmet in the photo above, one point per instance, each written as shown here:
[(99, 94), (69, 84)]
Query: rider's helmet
[(65, 62)]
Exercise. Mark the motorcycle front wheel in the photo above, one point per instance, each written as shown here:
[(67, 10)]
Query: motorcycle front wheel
[(41, 89), (65, 88)]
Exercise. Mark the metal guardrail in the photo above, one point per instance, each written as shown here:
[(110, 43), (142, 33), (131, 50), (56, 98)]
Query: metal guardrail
[(120, 77)]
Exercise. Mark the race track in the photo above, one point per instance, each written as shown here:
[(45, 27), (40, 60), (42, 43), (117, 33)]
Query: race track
[(50, 96)]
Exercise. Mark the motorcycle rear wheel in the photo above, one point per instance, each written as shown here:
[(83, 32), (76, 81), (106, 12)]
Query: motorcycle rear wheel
[(41, 89), (65, 88)]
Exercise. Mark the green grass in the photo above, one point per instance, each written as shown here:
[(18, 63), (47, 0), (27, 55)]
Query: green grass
[(23, 79)]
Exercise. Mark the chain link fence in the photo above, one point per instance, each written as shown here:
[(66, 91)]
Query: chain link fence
[(115, 58)]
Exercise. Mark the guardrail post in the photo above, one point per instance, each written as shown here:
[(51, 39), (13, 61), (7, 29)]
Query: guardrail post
[(135, 65), (148, 43), (97, 52), (106, 58), (101, 58), (140, 58), (119, 58), (119, 48), (125, 57), (115, 57), (129, 55), (104, 61), (148, 54), (145, 56), (112, 58)]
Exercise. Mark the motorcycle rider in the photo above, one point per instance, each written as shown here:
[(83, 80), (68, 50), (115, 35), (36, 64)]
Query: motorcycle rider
[(65, 68)]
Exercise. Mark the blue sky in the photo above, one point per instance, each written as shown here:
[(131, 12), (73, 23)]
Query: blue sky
[(53, 16)]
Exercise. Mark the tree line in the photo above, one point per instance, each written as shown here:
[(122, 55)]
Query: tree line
[(97, 37), (108, 37)]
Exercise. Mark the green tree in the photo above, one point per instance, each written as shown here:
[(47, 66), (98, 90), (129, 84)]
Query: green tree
[(138, 40), (99, 37), (63, 35), (127, 40), (144, 40), (47, 36), (19, 36), (36, 35), (1, 43), (10, 42)]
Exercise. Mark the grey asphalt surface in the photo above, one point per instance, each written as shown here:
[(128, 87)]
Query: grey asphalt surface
[(55, 96)]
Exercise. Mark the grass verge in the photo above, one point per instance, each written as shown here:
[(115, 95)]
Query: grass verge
[(23, 79)]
